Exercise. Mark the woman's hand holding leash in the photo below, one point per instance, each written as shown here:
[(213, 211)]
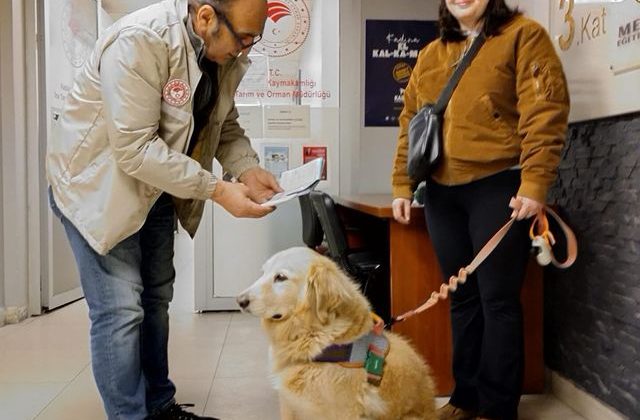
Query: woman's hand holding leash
[(524, 208), (401, 210), (542, 240)]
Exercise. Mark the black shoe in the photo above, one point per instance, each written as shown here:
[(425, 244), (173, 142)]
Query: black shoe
[(178, 412)]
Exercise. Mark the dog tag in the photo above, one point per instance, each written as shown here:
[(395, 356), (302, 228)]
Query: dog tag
[(374, 364)]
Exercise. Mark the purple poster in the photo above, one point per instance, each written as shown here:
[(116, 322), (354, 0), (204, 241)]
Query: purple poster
[(392, 48)]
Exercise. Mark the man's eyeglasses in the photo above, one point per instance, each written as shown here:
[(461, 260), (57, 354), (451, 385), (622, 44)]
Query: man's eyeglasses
[(242, 43)]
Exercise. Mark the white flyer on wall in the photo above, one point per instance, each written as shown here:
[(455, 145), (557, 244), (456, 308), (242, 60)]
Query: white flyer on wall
[(250, 119), (71, 30), (288, 121), (284, 82), (253, 88)]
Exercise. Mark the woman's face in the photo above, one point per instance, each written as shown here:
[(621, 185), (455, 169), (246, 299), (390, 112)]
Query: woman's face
[(467, 12)]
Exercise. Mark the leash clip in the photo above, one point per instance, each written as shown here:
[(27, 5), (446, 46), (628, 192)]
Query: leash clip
[(542, 249), (542, 240)]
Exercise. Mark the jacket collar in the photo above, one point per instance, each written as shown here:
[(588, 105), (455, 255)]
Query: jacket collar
[(181, 9), (196, 41)]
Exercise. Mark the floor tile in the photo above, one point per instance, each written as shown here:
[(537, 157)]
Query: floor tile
[(243, 360), (42, 365), (246, 331), (206, 325), (545, 407), (193, 392), (79, 400), (53, 337), (248, 398), (8, 329), (193, 362), (23, 401), (76, 313), (218, 361)]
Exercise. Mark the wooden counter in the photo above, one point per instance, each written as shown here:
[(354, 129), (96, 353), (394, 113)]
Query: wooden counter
[(414, 273)]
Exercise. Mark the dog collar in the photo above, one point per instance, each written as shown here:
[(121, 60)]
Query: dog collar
[(368, 352)]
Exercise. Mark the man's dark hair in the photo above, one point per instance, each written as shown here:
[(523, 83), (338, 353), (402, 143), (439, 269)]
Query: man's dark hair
[(224, 4), (218, 3), (495, 16)]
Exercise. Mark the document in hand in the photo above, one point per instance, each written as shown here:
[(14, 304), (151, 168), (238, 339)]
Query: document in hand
[(298, 181)]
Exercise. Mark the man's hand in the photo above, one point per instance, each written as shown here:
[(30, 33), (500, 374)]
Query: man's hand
[(235, 198), (262, 184), (524, 208), (402, 210)]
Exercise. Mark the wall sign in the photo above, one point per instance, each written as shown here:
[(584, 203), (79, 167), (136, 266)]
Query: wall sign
[(599, 45), (287, 27), (310, 153), (392, 48)]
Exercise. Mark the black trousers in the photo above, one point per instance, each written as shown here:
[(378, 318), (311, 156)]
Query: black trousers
[(486, 314)]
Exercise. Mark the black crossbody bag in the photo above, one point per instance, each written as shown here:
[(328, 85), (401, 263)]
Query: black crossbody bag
[(425, 128)]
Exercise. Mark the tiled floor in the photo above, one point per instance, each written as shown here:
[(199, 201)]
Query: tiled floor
[(218, 362)]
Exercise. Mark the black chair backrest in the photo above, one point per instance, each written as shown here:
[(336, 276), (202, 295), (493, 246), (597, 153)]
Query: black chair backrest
[(332, 225), (312, 233)]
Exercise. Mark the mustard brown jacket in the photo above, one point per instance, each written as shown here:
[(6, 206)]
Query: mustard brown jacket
[(509, 109)]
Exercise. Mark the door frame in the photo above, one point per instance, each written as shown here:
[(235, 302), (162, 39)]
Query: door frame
[(204, 299), (20, 230)]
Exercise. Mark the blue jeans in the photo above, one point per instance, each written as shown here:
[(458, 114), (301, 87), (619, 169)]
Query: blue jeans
[(128, 293)]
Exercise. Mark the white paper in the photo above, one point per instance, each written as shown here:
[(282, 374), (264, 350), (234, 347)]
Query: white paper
[(284, 82), (298, 181), (253, 88), (289, 121), (250, 119)]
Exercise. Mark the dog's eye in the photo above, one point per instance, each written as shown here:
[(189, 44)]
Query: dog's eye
[(280, 277)]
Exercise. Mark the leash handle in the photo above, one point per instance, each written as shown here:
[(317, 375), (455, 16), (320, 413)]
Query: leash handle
[(451, 286), (572, 243)]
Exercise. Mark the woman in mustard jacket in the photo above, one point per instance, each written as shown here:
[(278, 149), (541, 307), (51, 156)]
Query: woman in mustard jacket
[(504, 129)]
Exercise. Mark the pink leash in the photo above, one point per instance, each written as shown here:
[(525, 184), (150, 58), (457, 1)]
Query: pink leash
[(540, 221)]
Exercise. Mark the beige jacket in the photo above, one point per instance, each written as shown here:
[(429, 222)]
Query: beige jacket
[(121, 139), (510, 108)]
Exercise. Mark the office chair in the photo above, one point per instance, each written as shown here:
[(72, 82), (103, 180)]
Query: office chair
[(312, 234), (362, 265)]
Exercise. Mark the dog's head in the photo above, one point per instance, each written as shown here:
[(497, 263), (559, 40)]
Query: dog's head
[(299, 280)]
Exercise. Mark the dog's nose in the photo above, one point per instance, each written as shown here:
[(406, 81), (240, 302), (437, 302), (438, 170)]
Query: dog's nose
[(243, 301)]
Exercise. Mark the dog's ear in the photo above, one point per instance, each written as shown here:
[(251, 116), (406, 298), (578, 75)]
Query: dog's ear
[(328, 288)]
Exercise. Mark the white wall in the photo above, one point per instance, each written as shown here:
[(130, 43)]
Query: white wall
[(118, 8), (3, 26), (17, 31), (367, 152), (536, 9)]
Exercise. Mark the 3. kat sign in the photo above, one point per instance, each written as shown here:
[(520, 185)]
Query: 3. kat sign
[(599, 44)]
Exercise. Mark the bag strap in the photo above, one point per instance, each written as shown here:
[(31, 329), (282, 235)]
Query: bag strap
[(446, 93)]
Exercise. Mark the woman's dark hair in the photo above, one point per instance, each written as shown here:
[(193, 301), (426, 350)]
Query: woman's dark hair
[(495, 16)]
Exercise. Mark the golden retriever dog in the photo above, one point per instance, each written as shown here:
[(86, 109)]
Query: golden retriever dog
[(307, 304)]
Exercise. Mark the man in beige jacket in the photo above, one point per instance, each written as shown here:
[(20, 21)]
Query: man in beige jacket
[(151, 109)]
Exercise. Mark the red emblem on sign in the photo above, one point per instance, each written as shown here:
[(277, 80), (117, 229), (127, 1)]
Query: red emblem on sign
[(287, 28), (277, 10), (176, 92)]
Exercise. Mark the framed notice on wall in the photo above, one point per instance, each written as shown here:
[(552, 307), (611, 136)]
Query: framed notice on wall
[(392, 48), (310, 153), (599, 45), (276, 158)]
